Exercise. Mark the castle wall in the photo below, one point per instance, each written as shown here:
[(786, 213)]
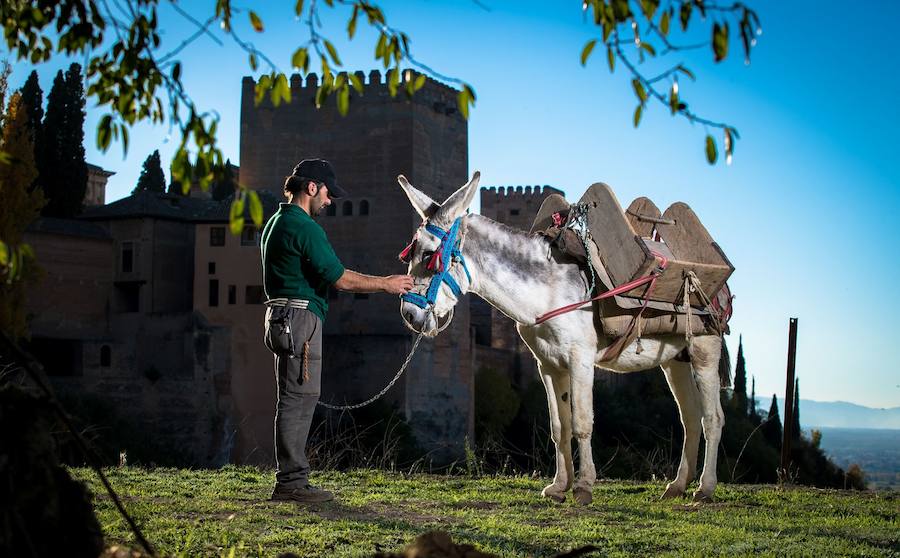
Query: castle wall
[(425, 139)]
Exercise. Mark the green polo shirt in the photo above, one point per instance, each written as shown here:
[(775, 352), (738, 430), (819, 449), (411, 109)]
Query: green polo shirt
[(298, 261)]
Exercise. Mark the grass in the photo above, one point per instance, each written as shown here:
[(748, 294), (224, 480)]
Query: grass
[(225, 512)]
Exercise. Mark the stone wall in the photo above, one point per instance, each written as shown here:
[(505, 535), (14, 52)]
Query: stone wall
[(425, 139)]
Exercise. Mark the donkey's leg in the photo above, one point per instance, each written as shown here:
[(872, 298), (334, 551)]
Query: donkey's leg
[(684, 388), (556, 382), (583, 426), (705, 352)]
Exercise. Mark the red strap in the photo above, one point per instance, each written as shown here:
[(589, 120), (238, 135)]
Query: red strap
[(663, 263)]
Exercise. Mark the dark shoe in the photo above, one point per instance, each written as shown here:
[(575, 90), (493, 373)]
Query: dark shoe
[(305, 494)]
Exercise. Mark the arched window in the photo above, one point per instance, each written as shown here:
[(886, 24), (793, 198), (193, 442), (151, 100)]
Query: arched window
[(331, 211), (347, 208), (364, 207), (105, 356)]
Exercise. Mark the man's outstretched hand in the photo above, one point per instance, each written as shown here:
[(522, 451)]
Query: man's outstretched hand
[(398, 284)]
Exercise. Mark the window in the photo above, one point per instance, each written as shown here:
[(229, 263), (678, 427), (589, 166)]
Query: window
[(347, 208), (212, 268), (217, 236), (105, 356), (513, 211), (364, 207), (248, 236), (232, 294), (127, 297), (213, 292), (253, 294), (331, 211), (127, 257)]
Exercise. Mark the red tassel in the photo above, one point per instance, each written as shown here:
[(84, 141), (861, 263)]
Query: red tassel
[(406, 254), (435, 262)]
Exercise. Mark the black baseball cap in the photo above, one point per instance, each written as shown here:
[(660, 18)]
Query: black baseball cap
[(320, 170)]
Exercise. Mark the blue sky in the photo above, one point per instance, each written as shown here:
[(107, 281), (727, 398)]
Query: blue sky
[(805, 212)]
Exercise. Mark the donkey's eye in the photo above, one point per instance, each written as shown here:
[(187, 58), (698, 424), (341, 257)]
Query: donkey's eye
[(426, 255)]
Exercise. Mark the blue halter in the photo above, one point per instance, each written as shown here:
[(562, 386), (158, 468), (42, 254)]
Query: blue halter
[(448, 250)]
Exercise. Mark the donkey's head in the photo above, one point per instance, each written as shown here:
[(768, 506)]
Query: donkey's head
[(435, 258)]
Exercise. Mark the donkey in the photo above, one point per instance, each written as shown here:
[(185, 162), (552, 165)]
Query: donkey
[(455, 252)]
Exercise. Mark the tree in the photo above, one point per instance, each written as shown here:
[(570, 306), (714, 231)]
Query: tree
[(152, 178), (21, 205), (64, 173), (754, 413), (227, 186), (772, 429), (33, 101), (739, 393)]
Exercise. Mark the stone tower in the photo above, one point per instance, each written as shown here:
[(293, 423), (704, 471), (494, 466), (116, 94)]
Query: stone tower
[(425, 139)]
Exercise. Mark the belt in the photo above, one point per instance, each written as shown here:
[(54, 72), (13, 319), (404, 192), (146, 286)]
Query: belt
[(288, 302)]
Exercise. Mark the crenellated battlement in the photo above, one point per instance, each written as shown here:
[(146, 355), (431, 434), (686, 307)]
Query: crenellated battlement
[(520, 191), (374, 79)]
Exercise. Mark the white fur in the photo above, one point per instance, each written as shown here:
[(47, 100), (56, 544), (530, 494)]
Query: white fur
[(515, 273)]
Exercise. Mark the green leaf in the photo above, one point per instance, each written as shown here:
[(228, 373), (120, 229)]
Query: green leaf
[(124, 140), (664, 22), (673, 99), (357, 83), (4, 254), (649, 8), (281, 90), (586, 51), (685, 15), (351, 26), (300, 59), (686, 72), (256, 208), (649, 48), (620, 9), (638, 112), (104, 132), (236, 216), (639, 90), (711, 153), (420, 82), (256, 22), (298, 8), (332, 52), (610, 59), (321, 95), (176, 71), (393, 81), (343, 99), (720, 41), (253, 64), (462, 101)]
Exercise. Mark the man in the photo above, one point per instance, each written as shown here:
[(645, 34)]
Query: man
[(299, 265)]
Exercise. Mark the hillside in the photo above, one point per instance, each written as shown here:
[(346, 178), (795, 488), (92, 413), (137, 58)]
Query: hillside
[(225, 513), (838, 414)]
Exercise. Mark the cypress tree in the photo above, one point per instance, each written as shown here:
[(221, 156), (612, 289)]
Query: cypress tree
[(20, 206), (152, 178), (772, 430), (753, 414), (795, 424), (64, 172), (224, 188), (33, 102), (739, 394)]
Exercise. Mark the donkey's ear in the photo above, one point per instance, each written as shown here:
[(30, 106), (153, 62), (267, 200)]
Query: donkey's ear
[(424, 206), (456, 205)]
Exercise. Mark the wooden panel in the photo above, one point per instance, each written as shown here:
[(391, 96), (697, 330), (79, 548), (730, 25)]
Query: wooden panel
[(688, 238), (642, 206), (544, 218), (620, 248), (670, 286)]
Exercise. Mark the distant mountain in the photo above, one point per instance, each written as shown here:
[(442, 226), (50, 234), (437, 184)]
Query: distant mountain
[(838, 414)]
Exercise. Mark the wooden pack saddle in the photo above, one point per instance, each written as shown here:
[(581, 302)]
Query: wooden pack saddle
[(622, 249)]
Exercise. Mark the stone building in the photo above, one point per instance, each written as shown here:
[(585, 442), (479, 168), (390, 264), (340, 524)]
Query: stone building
[(425, 139), (96, 185)]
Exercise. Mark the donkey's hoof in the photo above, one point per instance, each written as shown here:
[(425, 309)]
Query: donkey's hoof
[(672, 492), (583, 496), (554, 494), (701, 497)]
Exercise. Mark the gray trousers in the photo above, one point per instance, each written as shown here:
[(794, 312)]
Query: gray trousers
[(295, 336)]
